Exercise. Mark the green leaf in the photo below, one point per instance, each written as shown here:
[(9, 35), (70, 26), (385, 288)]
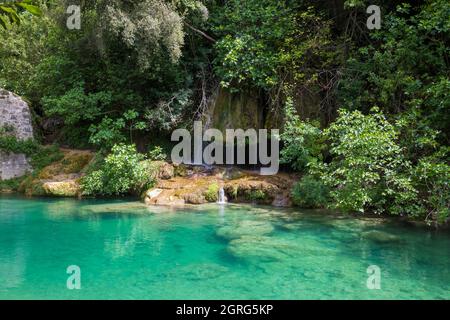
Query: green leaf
[(7, 9), (4, 22), (30, 8)]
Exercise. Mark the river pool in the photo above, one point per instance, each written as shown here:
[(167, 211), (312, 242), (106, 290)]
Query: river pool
[(125, 250)]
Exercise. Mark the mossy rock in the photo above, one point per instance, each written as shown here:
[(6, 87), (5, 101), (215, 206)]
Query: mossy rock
[(75, 162), (255, 195), (180, 170), (251, 191), (62, 188), (194, 198), (212, 193)]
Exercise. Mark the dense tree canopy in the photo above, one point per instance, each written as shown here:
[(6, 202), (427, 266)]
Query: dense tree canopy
[(139, 68)]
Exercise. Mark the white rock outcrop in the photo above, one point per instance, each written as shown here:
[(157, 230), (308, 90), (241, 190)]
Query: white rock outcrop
[(15, 119)]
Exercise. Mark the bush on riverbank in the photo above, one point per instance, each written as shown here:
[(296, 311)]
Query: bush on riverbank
[(122, 172), (310, 193), (369, 171)]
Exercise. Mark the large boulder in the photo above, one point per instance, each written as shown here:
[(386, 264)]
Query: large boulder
[(15, 120), (15, 115), (61, 178), (68, 188)]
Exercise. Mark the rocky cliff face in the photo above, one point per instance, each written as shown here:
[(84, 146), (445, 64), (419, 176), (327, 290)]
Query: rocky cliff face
[(229, 110), (15, 119)]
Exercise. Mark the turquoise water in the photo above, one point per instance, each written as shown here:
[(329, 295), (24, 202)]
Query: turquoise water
[(126, 251)]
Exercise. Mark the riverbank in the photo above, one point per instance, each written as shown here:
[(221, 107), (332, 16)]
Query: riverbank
[(175, 185)]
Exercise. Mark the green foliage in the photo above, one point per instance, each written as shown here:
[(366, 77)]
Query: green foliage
[(75, 106), (303, 141), (212, 194), (40, 156), (431, 177), (405, 66), (44, 156), (310, 192), (10, 184), (367, 171), (9, 143), (138, 69), (253, 30), (255, 195), (157, 154), (122, 172), (10, 11), (96, 76)]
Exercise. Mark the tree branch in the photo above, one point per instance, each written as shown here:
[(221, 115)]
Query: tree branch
[(200, 32)]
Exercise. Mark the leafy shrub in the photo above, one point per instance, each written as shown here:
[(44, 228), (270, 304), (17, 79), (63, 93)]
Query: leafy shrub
[(255, 195), (367, 171), (10, 143), (212, 194), (122, 172), (157, 154), (303, 141), (310, 193), (40, 156), (431, 178), (10, 184), (44, 156)]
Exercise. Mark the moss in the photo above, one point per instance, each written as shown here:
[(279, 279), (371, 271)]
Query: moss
[(212, 193), (9, 143), (10, 185), (75, 162), (235, 192), (180, 170), (72, 162), (255, 195), (45, 156), (62, 189)]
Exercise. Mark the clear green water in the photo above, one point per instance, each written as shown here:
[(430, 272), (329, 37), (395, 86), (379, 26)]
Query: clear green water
[(212, 252)]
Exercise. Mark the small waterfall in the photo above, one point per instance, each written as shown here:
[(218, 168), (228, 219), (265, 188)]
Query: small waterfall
[(222, 198)]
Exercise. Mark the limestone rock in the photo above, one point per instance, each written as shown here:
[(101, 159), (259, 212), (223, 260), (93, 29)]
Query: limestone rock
[(228, 110), (262, 248), (153, 193), (245, 228), (195, 185), (15, 120), (61, 178), (69, 188), (15, 115), (380, 236), (198, 271), (166, 171), (13, 165)]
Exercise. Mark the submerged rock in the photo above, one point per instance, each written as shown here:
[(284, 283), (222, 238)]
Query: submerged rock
[(127, 207), (245, 228), (198, 271), (262, 248), (380, 236)]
